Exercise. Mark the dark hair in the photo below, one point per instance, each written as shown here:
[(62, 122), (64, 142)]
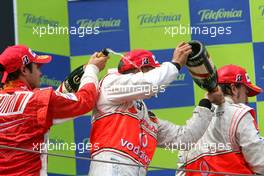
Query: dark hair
[(2, 69), (120, 65), (226, 88), (14, 75)]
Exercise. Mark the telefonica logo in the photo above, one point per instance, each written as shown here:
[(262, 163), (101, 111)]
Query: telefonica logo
[(39, 20), (261, 8), (99, 22), (157, 18), (51, 82), (180, 81), (220, 14), (180, 77)]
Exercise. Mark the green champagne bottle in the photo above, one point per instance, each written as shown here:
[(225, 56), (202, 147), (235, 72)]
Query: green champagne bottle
[(201, 67), (72, 81)]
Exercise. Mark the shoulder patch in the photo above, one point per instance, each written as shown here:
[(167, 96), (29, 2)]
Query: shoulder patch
[(44, 88), (69, 96)]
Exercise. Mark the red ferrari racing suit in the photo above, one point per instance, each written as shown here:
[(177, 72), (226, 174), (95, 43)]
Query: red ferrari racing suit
[(26, 116)]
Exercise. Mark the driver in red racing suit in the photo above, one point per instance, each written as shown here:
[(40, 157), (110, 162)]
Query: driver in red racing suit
[(27, 112)]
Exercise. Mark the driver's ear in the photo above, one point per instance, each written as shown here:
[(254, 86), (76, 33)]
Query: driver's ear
[(234, 89), (23, 70)]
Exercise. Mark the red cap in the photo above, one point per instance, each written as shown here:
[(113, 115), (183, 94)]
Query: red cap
[(15, 56), (235, 74), (136, 59)]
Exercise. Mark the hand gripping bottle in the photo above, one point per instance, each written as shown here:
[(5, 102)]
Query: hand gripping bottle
[(72, 81)]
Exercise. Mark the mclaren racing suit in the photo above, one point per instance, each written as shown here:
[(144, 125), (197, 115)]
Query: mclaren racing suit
[(126, 132), (231, 144)]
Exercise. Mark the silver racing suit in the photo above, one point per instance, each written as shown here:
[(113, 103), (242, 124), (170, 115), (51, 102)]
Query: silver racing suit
[(125, 130)]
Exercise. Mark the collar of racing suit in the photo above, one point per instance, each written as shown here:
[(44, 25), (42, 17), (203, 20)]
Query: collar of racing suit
[(229, 99), (13, 86)]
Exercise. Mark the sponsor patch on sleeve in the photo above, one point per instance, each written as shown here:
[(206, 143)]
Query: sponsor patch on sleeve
[(70, 96)]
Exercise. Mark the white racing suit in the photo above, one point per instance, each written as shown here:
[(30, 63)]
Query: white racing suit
[(123, 130), (231, 143)]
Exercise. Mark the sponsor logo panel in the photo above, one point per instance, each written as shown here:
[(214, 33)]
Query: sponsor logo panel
[(51, 75), (220, 22), (107, 29), (151, 28), (179, 93), (259, 67)]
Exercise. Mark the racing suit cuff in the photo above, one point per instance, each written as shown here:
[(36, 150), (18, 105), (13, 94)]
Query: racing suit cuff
[(178, 66), (90, 75), (93, 67), (204, 113), (205, 103)]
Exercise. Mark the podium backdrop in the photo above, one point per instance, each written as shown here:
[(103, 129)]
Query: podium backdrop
[(232, 30)]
